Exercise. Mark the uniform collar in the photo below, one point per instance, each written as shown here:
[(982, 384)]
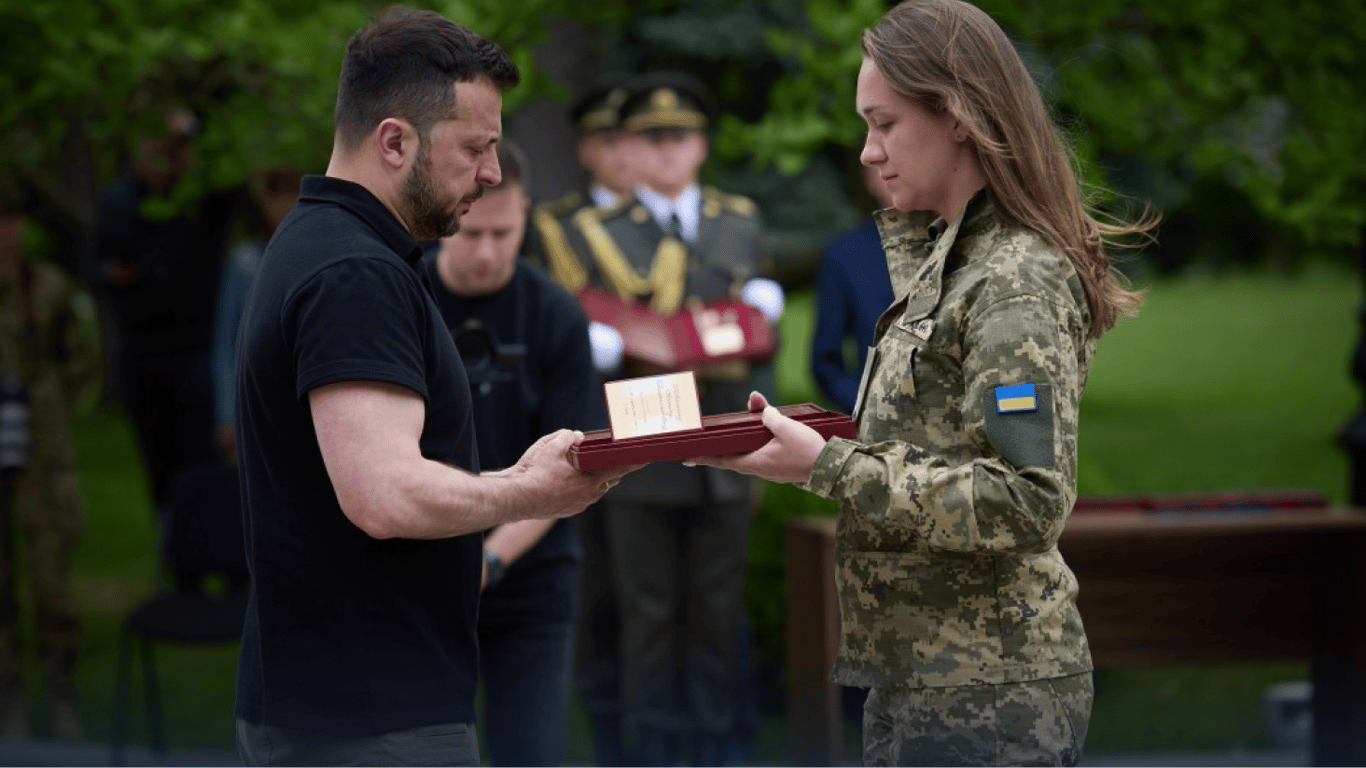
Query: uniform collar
[(603, 197), (363, 204), (687, 206), (918, 245)]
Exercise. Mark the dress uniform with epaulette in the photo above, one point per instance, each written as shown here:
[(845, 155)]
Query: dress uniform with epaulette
[(678, 533), (597, 117)]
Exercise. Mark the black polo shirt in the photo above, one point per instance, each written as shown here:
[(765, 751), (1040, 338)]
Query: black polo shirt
[(551, 384), (346, 634)]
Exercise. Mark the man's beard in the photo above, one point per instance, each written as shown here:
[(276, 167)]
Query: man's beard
[(428, 218)]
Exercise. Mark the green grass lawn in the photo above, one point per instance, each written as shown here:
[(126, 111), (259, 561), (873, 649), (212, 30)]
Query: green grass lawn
[(1233, 381), (1229, 382)]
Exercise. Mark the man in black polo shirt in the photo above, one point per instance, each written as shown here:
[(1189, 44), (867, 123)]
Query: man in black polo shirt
[(356, 439)]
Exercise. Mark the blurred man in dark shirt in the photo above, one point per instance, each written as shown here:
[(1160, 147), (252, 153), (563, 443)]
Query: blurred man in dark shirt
[(159, 277), (524, 342)]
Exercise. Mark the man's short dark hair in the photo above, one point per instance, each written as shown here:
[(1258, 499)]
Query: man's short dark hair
[(404, 64)]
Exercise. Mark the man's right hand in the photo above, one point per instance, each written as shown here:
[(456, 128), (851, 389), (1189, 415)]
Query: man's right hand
[(561, 490)]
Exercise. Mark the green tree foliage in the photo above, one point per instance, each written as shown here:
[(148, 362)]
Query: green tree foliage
[(1243, 121), (1178, 99), (1258, 107), (1262, 100), (82, 80), (811, 106)]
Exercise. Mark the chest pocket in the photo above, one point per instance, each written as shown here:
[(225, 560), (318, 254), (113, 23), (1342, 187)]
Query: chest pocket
[(889, 388)]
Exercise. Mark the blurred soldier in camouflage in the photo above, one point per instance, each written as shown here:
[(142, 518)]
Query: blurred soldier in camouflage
[(956, 608), (45, 358)]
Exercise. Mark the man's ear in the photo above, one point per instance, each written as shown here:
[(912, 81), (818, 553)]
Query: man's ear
[(396, 141)]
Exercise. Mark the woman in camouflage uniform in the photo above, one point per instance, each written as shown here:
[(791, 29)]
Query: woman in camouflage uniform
[(957, 609)]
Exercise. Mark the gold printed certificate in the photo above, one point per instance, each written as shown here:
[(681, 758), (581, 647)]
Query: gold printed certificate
[(653, 405)]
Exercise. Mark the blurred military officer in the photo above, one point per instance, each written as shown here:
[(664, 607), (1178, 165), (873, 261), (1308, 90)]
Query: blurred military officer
[(678, 534), (610, 156)]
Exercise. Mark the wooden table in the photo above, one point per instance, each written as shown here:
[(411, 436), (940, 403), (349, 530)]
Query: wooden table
[(1157, 588)]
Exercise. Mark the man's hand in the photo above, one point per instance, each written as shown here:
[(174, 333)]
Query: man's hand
[(560, 489), (787, 458)]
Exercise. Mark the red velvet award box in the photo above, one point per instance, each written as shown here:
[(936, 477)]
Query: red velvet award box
[(691, 337), (720, 434)]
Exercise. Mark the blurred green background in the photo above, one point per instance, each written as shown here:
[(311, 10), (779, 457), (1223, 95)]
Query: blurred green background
[(1235, 380), (1240, 122)]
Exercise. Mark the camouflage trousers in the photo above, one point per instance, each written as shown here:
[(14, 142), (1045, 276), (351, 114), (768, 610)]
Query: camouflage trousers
[(1041, 722), (45, 519)]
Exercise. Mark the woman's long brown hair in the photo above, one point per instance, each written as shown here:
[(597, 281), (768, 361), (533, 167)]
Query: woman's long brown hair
[(951, 57)]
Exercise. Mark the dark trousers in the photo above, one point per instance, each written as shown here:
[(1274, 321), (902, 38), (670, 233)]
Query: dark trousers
[(169, 400), (452, 744), (597, 662), (680, 587), (525, 670)]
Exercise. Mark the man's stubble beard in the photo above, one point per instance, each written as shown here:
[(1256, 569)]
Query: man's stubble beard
[(427, 217)]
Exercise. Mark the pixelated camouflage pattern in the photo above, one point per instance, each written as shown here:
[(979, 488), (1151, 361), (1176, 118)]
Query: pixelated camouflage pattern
[(57, 358), (1040, 722), (948, 569)]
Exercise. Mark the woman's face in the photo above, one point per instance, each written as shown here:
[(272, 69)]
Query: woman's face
[(913, 152)]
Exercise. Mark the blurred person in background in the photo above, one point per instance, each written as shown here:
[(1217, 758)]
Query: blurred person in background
[(524, 342), (852, 289), (957, 610), (47, 359), (610, 155), (679, 534), (273, 194), (159, 276)]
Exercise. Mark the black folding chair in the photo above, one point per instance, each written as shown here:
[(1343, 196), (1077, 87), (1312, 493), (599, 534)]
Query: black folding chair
[(205, 604)]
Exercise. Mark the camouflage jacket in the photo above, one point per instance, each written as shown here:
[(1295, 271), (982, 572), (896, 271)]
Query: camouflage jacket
[(954, 496), (43, 344)]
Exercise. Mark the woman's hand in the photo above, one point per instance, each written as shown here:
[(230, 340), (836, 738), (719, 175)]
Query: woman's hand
[(786, 458)]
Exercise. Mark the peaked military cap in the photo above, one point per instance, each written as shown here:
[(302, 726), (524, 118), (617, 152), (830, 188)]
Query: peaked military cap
[(599, 107), (668, 100)]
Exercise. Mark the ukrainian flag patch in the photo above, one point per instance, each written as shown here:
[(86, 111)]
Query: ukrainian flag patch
[(1016, 398)]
